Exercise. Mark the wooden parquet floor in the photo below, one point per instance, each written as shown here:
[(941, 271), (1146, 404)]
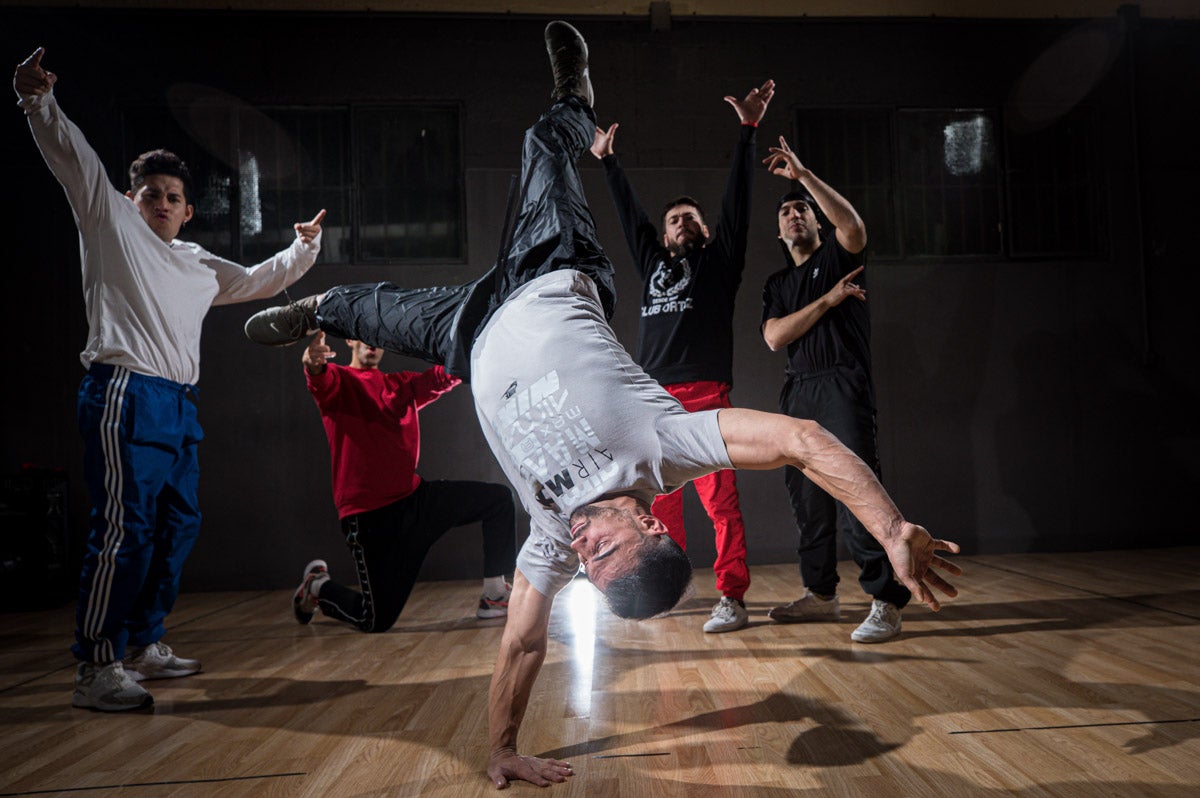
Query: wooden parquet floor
[(1051, 675)]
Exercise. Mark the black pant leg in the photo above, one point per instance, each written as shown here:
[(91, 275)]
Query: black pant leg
[(555, 229), (342, 603), (815, 510), (388, 551), (848, 411), (453, 503), (418, 322)]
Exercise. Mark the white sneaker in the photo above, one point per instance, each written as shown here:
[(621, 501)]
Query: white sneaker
[(304, 600), (728, 615), (882, 624), (494, 606), (108, 688), (158, 661), (809, 607)]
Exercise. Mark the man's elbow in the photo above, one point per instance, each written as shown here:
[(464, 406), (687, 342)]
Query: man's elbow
[(855, 237), (772, 339), (805, 437)]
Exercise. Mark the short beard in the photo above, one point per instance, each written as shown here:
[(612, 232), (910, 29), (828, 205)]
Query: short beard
[(687, 247)]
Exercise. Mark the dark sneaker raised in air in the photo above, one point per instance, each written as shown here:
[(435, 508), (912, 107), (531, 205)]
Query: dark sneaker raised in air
[(569, 60), (285, 324)]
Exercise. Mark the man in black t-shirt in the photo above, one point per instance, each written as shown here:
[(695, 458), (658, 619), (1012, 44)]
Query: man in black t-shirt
[(685, 330), (816, 307)]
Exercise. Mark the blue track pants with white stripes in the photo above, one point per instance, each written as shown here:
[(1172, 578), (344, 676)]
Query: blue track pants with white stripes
[(140, 438)]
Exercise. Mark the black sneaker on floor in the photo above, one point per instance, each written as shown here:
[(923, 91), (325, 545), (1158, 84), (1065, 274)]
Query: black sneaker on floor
[(569, 60), (284, 325)]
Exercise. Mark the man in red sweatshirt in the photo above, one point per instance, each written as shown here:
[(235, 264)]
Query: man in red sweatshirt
[(390, 516)]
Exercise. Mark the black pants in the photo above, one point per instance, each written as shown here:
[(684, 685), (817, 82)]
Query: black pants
[(840, 400), (554, 230), (389, 545)]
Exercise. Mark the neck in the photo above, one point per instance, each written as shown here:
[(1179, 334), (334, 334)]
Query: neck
[(801, 250)]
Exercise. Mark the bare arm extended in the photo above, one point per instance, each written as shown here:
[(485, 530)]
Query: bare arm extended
[(522, 650), (758, 440)]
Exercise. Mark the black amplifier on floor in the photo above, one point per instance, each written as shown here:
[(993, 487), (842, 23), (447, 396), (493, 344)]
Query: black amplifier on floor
[(34, 556)]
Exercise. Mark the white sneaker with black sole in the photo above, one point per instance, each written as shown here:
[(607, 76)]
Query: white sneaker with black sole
[(108, 688)]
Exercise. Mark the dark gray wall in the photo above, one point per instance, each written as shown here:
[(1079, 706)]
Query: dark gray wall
[(1024, 405)]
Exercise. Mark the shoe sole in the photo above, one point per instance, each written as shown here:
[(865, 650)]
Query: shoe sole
[(574, 39), (803, 619), (731, 628), (874, 639), (81, 702), (484, 615), (304, 617), (163, 673)]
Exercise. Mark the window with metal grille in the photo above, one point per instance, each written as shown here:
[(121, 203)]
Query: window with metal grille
[(1055, 201), (389, 177), (950, 187), (850, 149), (928, 182)]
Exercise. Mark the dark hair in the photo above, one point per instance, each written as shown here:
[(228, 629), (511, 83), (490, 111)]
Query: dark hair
[(681, 200), (160, 162), (655, 584), (798, 194)]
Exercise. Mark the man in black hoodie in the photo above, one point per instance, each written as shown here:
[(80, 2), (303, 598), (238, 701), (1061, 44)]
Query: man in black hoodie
[(685, 333)]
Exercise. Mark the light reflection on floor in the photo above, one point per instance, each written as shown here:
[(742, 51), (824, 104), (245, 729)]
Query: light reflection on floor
[(580, 600)]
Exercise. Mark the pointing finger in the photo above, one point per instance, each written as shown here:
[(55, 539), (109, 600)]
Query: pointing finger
[(317, 219), (35, 58)]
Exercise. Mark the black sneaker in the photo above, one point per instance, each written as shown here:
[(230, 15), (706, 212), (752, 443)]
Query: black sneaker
[(284, 325), (569, 60)]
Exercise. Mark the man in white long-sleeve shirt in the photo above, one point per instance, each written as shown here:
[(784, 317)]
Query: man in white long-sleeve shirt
[(146, 295)]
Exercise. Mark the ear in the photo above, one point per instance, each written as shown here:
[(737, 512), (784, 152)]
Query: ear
[(704, 229), (187, 215), (666, 241), (129, 194), (651, 525)]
